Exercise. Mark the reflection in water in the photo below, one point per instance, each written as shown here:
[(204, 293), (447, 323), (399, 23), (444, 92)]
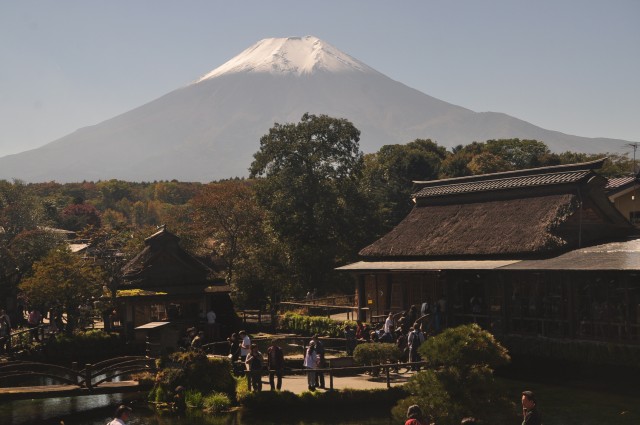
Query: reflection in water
[(47, 411), (97, 410)]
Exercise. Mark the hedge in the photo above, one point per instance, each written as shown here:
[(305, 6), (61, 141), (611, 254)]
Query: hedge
[(331, 401), (310, 325)]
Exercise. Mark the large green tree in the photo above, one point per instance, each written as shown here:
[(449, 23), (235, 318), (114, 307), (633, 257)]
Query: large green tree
[(310, 192), (24, 237), (390, 172)]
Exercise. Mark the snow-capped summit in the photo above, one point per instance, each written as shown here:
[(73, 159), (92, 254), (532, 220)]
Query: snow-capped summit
[(210, 129), (292, 55)]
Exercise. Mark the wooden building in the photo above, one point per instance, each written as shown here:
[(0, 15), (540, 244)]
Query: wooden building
[(166, 283), (539, 252), (623, 192)]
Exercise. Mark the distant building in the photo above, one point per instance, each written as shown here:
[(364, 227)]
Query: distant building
[(531, 253), (623, 193)]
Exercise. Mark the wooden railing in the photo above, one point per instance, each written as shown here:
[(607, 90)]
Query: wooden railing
[(23, 338)]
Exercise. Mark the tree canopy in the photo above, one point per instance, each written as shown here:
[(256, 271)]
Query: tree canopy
[(309, 190), (63, 281)]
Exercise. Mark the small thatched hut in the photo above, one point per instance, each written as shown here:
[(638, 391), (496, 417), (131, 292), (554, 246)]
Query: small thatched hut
[(166, 283), (521, 252)]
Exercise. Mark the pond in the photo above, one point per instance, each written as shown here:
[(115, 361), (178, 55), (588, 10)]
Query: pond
[(98, 410)]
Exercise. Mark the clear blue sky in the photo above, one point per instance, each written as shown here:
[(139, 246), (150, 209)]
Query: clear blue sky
[(571, 66)]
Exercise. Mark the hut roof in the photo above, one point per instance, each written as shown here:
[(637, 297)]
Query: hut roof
[(163, 263), (519, 214)]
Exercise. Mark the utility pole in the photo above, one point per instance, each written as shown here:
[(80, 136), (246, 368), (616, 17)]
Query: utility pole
[(634, 145)]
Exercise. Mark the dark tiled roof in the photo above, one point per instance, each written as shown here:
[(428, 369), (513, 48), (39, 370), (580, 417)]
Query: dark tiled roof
[(503, 183), (532, 177), (616, 183)]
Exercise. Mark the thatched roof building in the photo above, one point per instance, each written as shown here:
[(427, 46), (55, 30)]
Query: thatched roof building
[(526, 254), (163, 263), (165, 282), (516, 214)]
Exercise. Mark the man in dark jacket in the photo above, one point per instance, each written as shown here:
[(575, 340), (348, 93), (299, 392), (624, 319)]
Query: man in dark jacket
[(275, 364), (530, 413)]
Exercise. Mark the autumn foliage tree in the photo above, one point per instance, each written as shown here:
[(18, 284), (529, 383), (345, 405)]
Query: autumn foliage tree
[(227, 214), (78, 216), (63, 281)]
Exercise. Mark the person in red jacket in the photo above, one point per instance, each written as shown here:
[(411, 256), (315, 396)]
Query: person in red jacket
[(415, 416)]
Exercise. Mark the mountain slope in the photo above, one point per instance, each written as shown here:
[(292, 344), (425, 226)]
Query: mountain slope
[(210, 129)]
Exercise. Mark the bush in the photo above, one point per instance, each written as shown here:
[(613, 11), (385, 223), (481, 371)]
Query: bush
[(309, 325), (85, 347), (460, 380), (195, 372), (376, 353), (194, 398), (464, 346), (216, 403)]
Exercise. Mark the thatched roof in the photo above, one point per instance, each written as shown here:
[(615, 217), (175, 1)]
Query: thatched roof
[(504, 227), (519, 214), (163, 263)]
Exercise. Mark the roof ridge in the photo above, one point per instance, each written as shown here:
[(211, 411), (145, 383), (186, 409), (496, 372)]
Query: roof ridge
[(552, 169)]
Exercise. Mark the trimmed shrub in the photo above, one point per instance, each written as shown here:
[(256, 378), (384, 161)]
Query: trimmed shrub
[(309, 325), (464, 346), (460, 379), (376, 353)]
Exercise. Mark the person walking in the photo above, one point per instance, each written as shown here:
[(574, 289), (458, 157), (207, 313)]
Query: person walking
[(321, 362), (311, 361), (254, 369), (245, 345), (530, 413), (122, 415), (275, 364), (33, 321), (350, 339), (5, 333), (414, 340)]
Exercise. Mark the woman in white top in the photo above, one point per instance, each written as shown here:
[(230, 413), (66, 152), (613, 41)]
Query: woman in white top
[(311, 362)]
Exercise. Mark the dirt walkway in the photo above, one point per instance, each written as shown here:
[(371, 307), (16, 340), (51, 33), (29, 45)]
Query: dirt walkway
[(298, 383)]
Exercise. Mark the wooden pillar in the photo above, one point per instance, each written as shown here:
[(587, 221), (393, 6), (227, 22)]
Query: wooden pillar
[(87, 375), (571, 314), (362, 298)]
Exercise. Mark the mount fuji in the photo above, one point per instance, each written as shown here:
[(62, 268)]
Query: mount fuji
[(211, 128)]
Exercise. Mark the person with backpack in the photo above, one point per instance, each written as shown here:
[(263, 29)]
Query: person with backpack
[(275, 364)]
